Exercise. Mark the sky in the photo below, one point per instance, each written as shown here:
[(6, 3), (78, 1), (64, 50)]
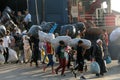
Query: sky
[(115, 4)]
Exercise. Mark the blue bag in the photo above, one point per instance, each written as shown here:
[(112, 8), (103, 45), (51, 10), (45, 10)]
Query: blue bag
[(94, 68), (108, 60)]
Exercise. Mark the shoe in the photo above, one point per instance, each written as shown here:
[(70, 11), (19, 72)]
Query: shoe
[(6, 63), (98, 75), (63, 75), (82, 77), (102, 74), (75, 75), (17, 61)]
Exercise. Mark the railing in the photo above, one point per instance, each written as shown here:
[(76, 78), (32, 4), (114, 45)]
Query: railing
[(105, 20)]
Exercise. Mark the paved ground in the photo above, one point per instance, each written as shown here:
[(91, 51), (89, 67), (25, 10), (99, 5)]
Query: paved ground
[(25, 72)]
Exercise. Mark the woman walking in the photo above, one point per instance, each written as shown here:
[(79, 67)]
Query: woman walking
[(98, 55)]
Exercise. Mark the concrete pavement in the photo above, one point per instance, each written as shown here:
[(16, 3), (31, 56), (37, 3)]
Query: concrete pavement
[(25, 72)]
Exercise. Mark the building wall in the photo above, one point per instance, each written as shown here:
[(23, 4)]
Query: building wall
[(117, 20), (110, 20)]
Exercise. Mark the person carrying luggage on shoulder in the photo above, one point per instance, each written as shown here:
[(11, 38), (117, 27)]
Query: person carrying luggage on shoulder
[(80, 59), (61, 56), (50, 53)]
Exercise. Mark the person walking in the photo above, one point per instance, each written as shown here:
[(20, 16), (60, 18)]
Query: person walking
[(98, 55), (6, 44), (61, 56), (35, 50), (50, 53), (80, 59), (27, 49)]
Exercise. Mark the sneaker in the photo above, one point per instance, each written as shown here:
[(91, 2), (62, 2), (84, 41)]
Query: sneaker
[(82, 77)]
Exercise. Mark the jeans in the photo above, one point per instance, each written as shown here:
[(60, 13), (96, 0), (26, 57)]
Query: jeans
[(62, 64), (51, 62)]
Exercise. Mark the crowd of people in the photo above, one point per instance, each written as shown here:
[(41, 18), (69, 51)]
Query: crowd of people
[(29, 49)]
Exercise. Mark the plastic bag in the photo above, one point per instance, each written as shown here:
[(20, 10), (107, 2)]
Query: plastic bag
[(50, 37), (2, 31), (43, 55), (108, 60), (34, 30), (69, 30), (66, 56), (86, 43), (12, 56), (115, 35), (80, 26), (2, 59), (94, 68), (55, 42), (42, 35), (54, 58), (46, 26), (45, 36)]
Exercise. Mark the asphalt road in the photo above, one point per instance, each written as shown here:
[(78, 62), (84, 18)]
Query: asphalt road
[(25, 72)]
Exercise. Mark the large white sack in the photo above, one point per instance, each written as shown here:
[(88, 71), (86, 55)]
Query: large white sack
[(42, 35), (115, 35), (50, 37), (12, 56), (45, 36), (86, 43), (55, 42), (2, 59), (74, 42)]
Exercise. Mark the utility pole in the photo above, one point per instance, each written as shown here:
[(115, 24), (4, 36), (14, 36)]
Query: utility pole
[(37, 15), (109, 6)]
